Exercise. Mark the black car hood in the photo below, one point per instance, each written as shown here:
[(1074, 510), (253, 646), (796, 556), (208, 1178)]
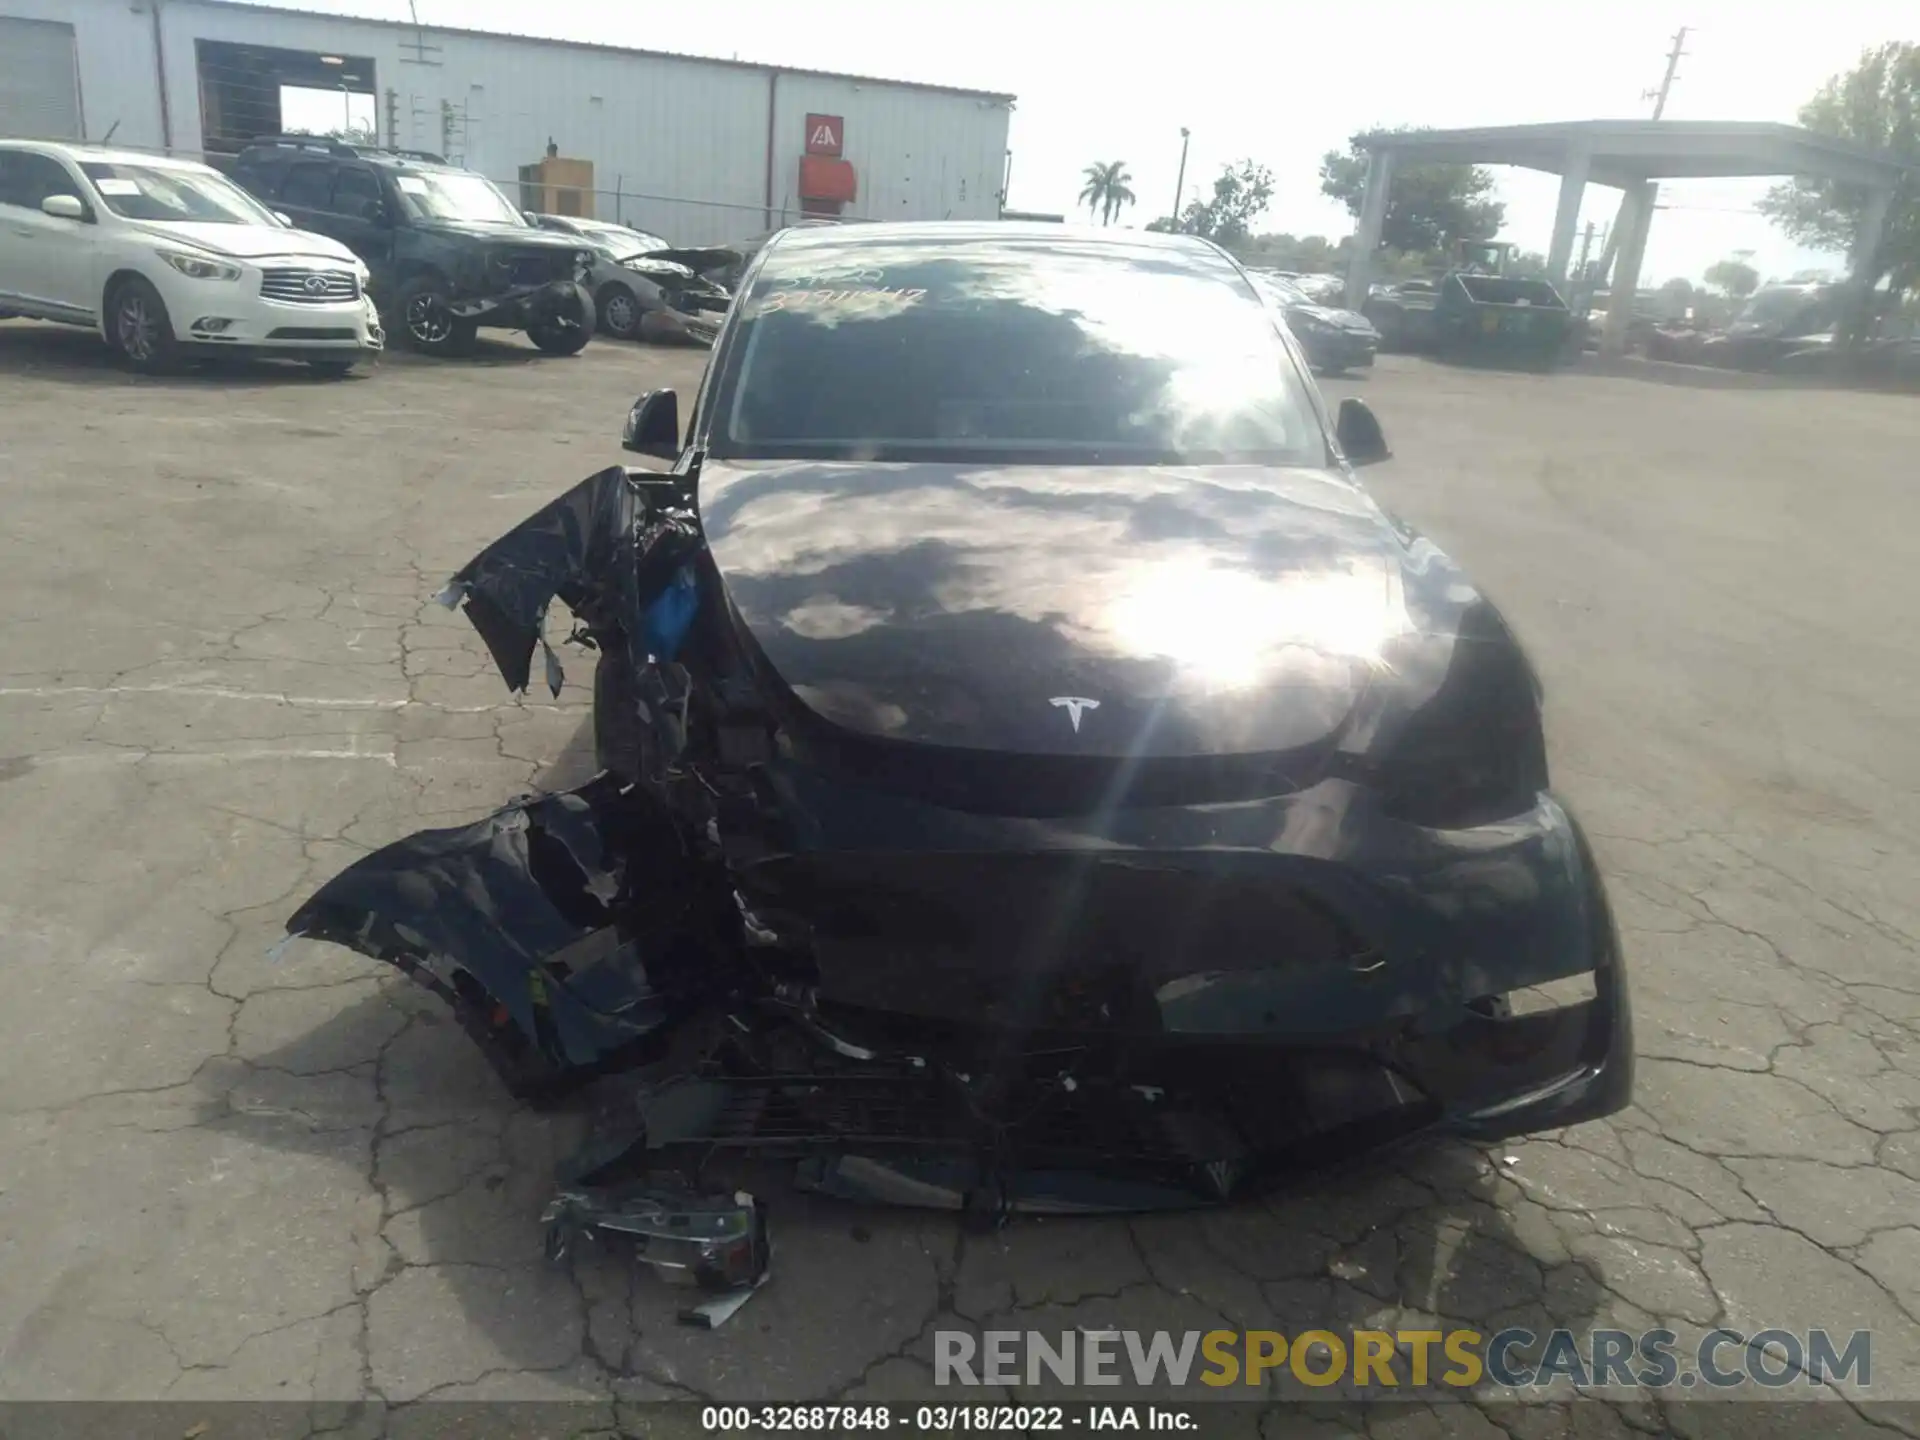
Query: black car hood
[(1073, 610)]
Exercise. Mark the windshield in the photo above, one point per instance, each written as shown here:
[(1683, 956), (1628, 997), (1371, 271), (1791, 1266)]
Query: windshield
[(1055, 352), (164, 193), (627, 242), (454, 195)]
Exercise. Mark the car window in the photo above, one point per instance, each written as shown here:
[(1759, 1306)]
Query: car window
[(455, 195), (157, 193), (27, 178), (308, 186), (354, 189), (1087, 352)]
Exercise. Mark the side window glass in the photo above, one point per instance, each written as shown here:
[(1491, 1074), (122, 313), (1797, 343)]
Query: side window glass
[(354, 190), (307, 186), (27, 179)]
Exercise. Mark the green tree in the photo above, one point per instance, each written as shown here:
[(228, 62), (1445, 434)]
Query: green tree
[(1428, 206), (1107, 189), (1877, 104), (1733, 277), (1240, 197)]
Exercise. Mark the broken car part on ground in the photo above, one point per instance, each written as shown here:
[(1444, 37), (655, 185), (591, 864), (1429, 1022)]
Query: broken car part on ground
[(1019, 794)]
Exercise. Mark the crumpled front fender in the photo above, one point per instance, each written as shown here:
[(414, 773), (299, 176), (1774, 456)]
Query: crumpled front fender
[(567, 930), (608, 549)]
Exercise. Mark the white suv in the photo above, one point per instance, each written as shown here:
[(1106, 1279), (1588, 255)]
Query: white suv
[(164, 256)]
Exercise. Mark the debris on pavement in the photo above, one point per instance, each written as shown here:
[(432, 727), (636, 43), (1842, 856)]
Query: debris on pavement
[(711, 1242)]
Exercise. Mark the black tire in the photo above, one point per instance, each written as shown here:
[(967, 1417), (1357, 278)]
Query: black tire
[(619, 311), (331, 369), (565, 329), (139, 327), (618, 744), (423, 316)]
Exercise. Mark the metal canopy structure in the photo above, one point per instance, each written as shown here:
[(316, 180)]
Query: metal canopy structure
[(1629, 155)]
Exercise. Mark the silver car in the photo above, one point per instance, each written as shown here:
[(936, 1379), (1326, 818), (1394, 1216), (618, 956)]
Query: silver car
[(645, 288)]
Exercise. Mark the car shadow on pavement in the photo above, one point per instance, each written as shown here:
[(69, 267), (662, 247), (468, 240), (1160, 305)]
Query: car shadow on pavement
[(454, 1284), (491, 350), (67, 354)]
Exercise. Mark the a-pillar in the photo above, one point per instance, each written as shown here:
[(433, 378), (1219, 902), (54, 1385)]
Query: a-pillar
[(1566, 216), (1373, 218), (1635, 222)]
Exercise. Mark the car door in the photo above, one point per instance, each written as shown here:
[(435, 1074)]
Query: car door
[(363, 220), (48, 263)]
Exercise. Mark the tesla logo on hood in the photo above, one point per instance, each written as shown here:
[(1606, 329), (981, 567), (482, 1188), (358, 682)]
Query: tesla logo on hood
[(1075, 706)]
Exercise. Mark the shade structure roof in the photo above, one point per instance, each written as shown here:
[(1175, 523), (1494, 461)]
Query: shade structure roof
[(1622, 152)]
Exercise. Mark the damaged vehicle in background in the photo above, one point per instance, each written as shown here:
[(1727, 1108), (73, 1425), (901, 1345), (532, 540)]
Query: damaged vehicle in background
[(1335, 340), (1037, 775), (448, 252), (1777, 322), (646, 289)]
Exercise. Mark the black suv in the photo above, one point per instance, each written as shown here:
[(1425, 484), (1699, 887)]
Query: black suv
[(448, 251)]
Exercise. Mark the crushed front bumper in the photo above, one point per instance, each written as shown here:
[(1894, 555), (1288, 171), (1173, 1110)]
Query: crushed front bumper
[(522, 306), (1082, 1068)]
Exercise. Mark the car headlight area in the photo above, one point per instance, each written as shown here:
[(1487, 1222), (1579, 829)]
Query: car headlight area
[(200, 267)]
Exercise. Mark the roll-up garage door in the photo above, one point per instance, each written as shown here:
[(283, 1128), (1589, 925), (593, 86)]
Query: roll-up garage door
[(39, 86)]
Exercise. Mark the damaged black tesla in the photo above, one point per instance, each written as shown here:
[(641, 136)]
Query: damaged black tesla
[(1036, 775)]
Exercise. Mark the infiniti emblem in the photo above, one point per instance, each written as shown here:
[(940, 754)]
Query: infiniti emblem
[(316, 284), (1075, 706)]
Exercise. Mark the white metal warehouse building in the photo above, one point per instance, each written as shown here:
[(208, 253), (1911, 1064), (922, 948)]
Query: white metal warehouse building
[(699, 150)]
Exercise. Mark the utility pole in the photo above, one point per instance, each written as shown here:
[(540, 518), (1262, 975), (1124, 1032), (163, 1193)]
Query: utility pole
[(1659, 97), (1586, 248), (1180, 185)]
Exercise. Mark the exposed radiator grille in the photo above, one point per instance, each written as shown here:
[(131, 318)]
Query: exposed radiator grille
[(309, 287), (529, 269)]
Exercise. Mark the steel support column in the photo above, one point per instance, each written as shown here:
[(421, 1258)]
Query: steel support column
[(1566, 216), (1373, 218), (1638, 220)]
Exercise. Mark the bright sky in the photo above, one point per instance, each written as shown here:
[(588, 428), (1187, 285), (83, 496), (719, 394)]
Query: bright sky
[(1284, 84)]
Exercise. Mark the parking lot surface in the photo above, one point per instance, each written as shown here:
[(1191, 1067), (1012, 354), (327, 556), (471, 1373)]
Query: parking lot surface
[(222, 678)]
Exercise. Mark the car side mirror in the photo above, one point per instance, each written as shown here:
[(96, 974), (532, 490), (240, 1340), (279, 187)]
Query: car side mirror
[(653, 425), (531, 218), (284, 218), (1358, 431), (64, 207)]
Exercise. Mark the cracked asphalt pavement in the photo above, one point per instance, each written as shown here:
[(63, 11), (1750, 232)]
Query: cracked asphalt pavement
[(222, 678)]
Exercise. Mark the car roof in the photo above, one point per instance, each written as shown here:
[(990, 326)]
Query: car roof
[(323, 149), (101, 155)]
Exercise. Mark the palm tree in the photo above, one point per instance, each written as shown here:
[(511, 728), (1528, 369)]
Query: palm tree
[(1106, 192)]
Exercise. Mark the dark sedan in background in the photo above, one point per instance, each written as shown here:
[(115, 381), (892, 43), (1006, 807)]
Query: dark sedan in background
[(1334, 339)]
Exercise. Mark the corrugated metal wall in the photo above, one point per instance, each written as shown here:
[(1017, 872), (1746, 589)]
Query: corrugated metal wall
[(114, 47), (685, 143), (919, 155)]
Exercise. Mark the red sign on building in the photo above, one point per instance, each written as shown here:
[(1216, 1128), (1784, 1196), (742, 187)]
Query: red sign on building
[(824, 134)]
